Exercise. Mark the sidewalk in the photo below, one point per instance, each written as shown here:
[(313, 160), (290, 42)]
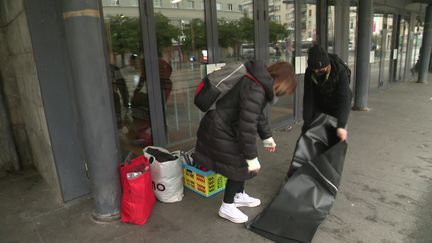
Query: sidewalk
[(385, 196)]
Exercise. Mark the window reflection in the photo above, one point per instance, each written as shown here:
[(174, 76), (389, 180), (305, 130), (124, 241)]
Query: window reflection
[(377, 33), (236, 32), (128, 74), (281, 48), (402, 49), (352, 43), (387, 48), (182, 52), (281, 30), (308, 25), (418, 36), (331, 28)]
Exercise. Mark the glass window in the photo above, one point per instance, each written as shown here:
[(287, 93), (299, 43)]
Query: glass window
[(218, 6), (236, 34), (387, 49), (128, 77), (281, 48), (418, 36), (174, 5), (352, 42), (377, 34), (230, 7), (190, 4), (182, 50), (240, 8), (157, 3), (402, 49), (331, 28), (308, 31)]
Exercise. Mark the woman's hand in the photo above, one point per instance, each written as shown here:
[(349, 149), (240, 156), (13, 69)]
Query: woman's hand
[(342, 133), (269, 145)]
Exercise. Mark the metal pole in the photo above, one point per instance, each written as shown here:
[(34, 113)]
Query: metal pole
[(322, 19), (92, 84), (364, 42), (426, 48)]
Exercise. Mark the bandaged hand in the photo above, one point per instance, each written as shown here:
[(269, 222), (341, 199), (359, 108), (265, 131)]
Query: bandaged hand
[(269, 144), (253, 164)]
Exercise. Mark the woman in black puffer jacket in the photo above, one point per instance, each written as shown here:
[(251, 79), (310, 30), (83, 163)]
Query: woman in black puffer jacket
[(226, 138)]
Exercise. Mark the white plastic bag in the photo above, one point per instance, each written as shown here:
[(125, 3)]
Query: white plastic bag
[(167, 176)]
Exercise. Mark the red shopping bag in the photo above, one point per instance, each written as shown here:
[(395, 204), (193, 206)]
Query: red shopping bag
[(137, 196)]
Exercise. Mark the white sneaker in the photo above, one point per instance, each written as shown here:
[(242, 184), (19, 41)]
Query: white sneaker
[(232, 213), (242, 199)]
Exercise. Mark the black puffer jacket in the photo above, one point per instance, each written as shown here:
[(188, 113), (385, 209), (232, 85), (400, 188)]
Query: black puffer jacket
[(227, 135), (331, 97)]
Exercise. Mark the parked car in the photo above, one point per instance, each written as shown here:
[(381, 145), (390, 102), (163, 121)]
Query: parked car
[(247, 51)]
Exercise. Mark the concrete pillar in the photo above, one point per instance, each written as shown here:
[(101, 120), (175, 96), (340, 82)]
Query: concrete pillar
[(342, 12), (87, 56), (426, 48), (364, 42)]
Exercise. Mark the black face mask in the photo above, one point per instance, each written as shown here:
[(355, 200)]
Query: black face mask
[(320, 76), (320, 73)]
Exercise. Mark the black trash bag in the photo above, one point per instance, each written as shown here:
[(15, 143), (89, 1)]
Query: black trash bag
[(308, 192), (159, 155)]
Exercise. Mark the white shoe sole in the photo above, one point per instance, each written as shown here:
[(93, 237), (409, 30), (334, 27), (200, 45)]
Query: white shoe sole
[(250, 205), (234, 220)]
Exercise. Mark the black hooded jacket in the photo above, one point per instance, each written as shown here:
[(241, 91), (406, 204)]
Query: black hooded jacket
[(333, 96), (226, 136)]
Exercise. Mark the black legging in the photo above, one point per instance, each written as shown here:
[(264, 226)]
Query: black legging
[(231, 188)]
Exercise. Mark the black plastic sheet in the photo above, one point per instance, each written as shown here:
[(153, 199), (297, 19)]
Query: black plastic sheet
[(309, 190)]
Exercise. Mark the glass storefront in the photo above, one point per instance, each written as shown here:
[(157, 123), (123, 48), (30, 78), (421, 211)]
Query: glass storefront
[(281, 48), (402, 49), (308, 26), (236, 31), (182, 58), (124, 39), (377, 37), (417, 41), (182, 52), (331, 28), (387, 49), (352, 41)]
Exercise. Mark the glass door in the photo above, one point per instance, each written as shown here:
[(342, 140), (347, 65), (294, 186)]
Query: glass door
[(418, 36), (281, 48), (402, 49), (387, 49), (235, 27), (182, 56), (331, 27), (128, 74), (376, 49), (352, 43)]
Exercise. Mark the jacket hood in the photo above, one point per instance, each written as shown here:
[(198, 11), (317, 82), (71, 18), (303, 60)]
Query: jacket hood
[(259, 70), (335, 66)]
